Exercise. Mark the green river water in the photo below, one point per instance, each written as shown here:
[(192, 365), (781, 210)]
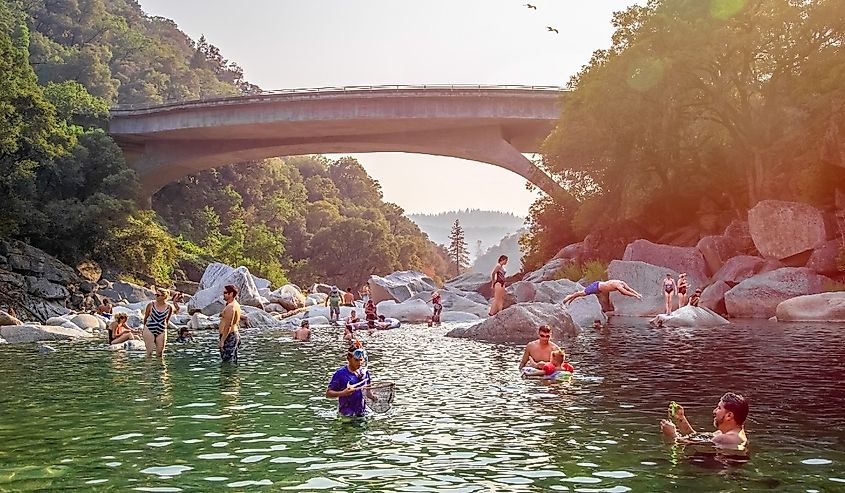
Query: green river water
[(86, 419)]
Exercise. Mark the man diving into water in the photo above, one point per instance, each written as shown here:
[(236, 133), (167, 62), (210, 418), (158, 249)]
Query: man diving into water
[(604, 287)]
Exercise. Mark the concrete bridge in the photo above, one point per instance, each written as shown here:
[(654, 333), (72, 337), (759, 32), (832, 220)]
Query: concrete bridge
[(494, 125)]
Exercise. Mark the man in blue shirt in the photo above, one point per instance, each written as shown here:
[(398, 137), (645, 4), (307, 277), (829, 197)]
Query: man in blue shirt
[(343, 384)]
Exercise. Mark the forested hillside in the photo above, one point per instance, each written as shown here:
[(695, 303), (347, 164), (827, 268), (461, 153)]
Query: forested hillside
[(488, 227), (69, 192), (696, 112)]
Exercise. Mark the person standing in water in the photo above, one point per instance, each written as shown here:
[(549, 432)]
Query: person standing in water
[(333, 302), (346, 381), (669, 287), (728, 418), (438, 307), (156, 317), (497, 279), (230, 318)]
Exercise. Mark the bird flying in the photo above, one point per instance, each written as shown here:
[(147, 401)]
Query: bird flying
[(552, 30), (531, 6)]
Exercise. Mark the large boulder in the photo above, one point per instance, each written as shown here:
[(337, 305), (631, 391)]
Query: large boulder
[(689, 316), (458, 317), (823, 307), (519, 323), (407, 311), (209, 300), (201, 322), (678, 259), (28, 260), (781, 230), (132, 293), (288, 296), (584, 311), (14, 290), (472, 282), (42, 288), (825, 258), (399, 286), (16, 334), (548, 272), (6, 319), (644, 278), (759, 296), (256, 318), (716, 250), (713, 297), (740, 233), (570, 252), (738, 269), (86, 321)]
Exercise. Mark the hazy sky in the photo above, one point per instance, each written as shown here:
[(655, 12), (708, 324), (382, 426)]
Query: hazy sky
[(319, 43)]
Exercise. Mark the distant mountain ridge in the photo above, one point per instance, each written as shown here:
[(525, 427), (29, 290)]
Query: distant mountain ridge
[(488, 227)]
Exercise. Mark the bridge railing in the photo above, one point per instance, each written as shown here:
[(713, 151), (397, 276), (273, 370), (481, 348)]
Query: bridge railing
[(340, 89)]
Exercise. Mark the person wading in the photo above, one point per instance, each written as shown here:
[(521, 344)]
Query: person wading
[(230, 338)]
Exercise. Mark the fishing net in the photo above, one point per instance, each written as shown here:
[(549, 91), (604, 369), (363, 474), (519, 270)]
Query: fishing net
[(379, 396)]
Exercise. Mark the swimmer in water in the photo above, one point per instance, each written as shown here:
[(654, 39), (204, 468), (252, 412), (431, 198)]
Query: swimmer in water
[(728, 418), (604, 287)]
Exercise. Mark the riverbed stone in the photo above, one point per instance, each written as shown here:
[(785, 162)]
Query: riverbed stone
[(17, 334), (740, 233), (474, 282), (547, 272), (289, 296), (781, 229), (713, 297), (518, 324), (822, 307), (716, 250), (253, 318), (759, 296), (86, 321), (646, 279), (677, 259), (584, 311), (825, 258), (209, 300), (6, 319), (738, 269), (399, 286), (407, 311), (689, 316)]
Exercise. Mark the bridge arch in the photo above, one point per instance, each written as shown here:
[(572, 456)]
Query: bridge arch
[(493, 125)]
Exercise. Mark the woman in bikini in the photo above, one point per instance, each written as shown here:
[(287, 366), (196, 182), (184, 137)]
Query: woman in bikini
[(156, 317), (119, 332), (682, 289), (497, 278), (669, 287)]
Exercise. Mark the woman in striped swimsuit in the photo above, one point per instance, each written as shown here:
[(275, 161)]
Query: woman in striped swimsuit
[(156, 317)]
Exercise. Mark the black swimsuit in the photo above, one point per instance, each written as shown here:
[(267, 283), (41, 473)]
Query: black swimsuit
[(668, 286), (500, 278)]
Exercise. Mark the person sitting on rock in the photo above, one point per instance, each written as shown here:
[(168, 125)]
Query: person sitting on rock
[(539, 352), (353, 317), (185, 335), (119, 331), (728, 418), (438, 307), (105, 310), (604, 287), (348, 297), (695, 299), (303, 333)]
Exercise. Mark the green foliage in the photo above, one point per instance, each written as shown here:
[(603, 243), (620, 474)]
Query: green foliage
[(76, 105), (141, 245), (457, 248), (722, 101)]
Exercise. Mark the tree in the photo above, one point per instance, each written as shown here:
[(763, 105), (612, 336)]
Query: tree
[(458, 252)]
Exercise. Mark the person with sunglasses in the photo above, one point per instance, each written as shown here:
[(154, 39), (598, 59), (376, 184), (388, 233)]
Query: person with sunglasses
[(230, 318), (539, 352), (156, 318), (728, 418), (346, 383)]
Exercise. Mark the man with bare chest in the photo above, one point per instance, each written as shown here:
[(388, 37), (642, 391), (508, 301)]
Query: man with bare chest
[(539, 352)]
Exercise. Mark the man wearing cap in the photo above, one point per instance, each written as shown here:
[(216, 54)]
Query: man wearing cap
[(539, 352), (333, 302), (303, 333), (345, 385)]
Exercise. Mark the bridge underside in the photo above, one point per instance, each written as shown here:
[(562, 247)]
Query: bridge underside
[(162, 161)]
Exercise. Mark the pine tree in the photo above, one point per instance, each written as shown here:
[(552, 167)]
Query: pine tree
[(458, 248)]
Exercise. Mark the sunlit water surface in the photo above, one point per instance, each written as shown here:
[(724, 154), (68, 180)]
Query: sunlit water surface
[(91, 420)]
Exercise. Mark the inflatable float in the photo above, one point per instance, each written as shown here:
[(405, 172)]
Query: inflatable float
[(549, 373), (389, 323)]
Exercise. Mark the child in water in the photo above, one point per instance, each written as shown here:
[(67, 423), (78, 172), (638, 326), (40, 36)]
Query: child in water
[(556, 364), (185, 335)]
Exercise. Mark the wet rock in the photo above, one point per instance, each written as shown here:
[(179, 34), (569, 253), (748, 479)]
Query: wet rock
[(408, 311), (759, 296), (647, 280), (89, 270), (677, 259), (288, 296), (739, 269), (825, 259), (44, 349), (209, 300), (713, 297), (689, 316), (823, 307), (17, 334), (6, 319), (519, 323), (782, 229), (399, 286)]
